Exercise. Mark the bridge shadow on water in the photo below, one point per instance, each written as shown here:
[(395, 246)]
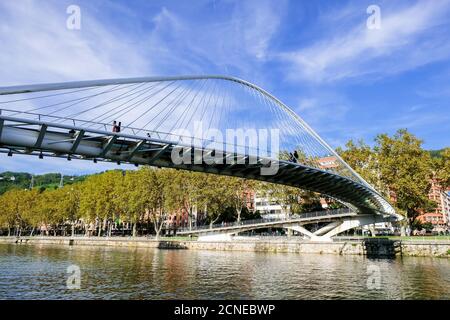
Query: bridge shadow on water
[(381, 248)]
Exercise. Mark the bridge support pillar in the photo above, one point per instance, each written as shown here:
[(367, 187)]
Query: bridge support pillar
[(334, 228), (298, 228), (302, 230), (350, 223), (327, 228)]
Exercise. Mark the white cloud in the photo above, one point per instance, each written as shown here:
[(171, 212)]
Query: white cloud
[(234, 42), (409, 38), (324, 109), (257, 22), (37, 46), (307, 103)]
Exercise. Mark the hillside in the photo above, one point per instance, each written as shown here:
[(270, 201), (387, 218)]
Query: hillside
[(22, 180)]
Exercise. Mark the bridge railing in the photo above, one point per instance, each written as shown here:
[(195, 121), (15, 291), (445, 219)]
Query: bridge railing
[(139, 133), (243, 153), (307, 215)]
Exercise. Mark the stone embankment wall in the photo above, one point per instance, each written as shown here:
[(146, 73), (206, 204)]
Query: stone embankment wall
[(369, 247)]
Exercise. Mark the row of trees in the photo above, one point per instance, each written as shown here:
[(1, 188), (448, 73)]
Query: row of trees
[(142, 199), (401, 169)]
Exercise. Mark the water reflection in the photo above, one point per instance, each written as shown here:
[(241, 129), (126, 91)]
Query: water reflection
[(39, 272)]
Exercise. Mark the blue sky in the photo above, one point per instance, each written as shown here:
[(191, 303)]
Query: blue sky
[(345, 80)]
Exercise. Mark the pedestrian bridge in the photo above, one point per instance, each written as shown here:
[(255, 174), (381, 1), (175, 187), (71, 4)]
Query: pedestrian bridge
[(336, 221), (183, 123)]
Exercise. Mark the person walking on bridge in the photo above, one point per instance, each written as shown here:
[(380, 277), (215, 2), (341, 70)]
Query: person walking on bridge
[(114, 126), (292, 158)]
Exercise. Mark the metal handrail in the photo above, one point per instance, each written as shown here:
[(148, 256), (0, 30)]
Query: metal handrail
[(107, 126), (176, 140), (178, 143), (268, 220)]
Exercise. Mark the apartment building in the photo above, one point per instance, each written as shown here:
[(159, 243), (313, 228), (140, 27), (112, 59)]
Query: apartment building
[(439, 217)]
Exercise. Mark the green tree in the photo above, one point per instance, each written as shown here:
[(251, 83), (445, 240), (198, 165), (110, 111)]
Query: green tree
[(442, 168), (126, 200), (239, 193), (289, 198), (185, 190), (364, 160), (9, 203), (97, 199), (428, 226), (406, 168), (216, 197), (70, 204), (48, 211), (148, 196)]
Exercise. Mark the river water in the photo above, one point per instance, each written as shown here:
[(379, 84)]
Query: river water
[(41, 272)]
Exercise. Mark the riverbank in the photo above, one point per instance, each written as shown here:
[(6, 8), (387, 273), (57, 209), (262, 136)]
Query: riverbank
[(374, 247)]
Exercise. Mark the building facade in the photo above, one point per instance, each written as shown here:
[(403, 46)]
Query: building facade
[(439, 217), (268, 208), (445, 200)]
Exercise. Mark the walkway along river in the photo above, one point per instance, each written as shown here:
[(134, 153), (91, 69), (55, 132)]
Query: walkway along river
[(372, 247)]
